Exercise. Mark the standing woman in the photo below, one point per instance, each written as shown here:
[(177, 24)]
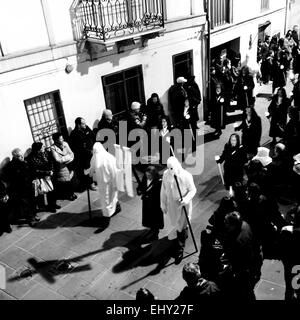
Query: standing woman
[(155, 111), (234, 159), (251, 131), (278, 110), (42, 168), (152, 215)]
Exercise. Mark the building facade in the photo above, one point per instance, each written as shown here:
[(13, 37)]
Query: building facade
[(64, 59), (236, 26)]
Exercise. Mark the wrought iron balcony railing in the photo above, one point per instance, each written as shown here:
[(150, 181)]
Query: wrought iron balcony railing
[(108, 19)]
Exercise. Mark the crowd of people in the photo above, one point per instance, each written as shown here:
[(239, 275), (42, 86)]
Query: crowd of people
[(246, 228)]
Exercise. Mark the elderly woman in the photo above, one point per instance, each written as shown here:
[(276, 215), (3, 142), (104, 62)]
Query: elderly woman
[(42, 168), (103, 169), (172, 204), (62, 156), (234, 158)]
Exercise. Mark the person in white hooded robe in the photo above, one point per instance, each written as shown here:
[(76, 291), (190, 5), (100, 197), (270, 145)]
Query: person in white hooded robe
[(172, 204), (104, 170)]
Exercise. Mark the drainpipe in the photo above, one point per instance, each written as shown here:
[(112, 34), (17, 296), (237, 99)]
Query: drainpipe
[(285, 18), (208, 77)]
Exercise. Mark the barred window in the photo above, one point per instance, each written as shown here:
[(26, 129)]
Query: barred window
[(45, 115)]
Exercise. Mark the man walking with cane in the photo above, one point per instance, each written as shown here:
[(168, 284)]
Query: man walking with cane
[(177, 192)]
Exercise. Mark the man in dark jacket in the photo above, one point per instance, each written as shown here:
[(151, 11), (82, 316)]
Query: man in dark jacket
[(177, 98), (290, 256), (243, 255), (20, 189), (82, 140), (194, 97), (197, 289)]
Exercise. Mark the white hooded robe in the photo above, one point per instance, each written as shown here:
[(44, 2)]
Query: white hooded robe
[(103, 169), (170, 198)]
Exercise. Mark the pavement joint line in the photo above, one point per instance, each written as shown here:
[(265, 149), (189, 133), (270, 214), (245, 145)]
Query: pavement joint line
[(10, 295), (161, 285), (274, 283), (16, 241)]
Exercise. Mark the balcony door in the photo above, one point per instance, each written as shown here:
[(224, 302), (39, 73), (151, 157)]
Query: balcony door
[(122, 88)]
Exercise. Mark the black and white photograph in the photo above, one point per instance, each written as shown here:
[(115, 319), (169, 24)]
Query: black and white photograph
[(150, 151)]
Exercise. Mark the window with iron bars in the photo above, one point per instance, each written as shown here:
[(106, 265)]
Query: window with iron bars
[(265, 5), (220, 12), (46, 116)]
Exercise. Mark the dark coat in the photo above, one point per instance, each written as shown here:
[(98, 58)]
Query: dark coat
[(244, 97), (19, 177), (177, 97), (40, 165), (251, 134), (278, 74), (81, 143), (194, 96), (234, 160), (244, 255), (218, 111), (278, 113), (4, 210), (152, 215), (20, 189), (204, 291), (155, 112), (292, 136)]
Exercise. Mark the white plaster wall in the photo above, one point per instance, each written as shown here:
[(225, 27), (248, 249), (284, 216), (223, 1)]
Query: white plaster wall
[(81, 91), (22, 26), (244, 9), (178, 8), (243, 31), (60, 19)]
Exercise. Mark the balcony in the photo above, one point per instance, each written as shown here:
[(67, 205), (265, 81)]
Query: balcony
[(109, 21)]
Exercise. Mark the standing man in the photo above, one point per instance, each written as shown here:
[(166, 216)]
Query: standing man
[(172, 204), (177, 98), (194, 97), (82, 140)]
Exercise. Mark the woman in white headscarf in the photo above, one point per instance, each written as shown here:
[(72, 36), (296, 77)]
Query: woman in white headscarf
[(172, 204), (104, 171)]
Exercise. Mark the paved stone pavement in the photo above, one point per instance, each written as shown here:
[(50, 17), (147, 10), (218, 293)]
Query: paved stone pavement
[(104, 262)]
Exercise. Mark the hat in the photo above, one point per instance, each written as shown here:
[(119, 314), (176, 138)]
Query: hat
[(296, 167), (135, 105), (181, 80), (263, 156)]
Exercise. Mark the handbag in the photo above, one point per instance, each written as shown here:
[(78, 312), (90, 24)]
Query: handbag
[(42, 186)]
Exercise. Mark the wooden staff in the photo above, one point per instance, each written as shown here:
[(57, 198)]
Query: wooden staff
[(186, 215)]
